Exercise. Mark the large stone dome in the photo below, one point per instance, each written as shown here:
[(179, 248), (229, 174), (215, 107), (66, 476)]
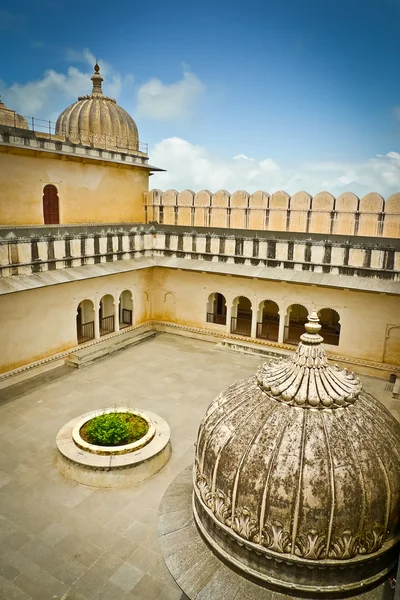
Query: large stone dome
[(98, 121), (297, 476)]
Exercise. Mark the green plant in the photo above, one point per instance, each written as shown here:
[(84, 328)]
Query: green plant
[(114, 429)]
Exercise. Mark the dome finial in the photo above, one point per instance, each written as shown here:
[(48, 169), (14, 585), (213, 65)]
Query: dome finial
[(97, 80)]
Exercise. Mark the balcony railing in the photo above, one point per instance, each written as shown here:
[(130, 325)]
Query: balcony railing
[(126, 318), (86, 138), (106, 325), (217, 319), (85, 332), (268, 331), (241, 326)]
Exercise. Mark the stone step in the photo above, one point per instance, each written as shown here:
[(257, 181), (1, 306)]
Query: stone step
[(249, 348), (86, 356)]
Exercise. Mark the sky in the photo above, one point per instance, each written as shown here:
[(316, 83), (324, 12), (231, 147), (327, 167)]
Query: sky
[(290, 94)]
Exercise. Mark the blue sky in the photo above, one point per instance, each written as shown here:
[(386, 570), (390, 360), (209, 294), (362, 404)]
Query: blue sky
[(227, 94)]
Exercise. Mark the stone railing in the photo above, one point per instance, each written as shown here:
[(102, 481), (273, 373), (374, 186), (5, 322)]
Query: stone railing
[(345, 215), (23, 251)]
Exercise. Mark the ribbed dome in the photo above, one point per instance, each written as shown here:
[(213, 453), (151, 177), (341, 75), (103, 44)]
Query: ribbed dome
[(297, 476), (10, 118), (98, 121)]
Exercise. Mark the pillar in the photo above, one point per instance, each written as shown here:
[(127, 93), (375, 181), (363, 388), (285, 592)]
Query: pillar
[(228, 315), (116, 315), (96, 321), (281, 327), (254, 315)]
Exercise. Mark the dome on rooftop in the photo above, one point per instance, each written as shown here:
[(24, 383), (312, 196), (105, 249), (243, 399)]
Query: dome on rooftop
[(10, 118), (97, 120), (297, 476)]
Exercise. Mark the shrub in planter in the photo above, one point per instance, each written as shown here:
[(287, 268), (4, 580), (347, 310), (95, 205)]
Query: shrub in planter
[(114, 429)]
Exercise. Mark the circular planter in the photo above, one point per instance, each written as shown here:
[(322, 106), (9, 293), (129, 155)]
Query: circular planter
[(113, 466)]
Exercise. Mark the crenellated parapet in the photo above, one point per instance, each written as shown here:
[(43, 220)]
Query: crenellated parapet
[(347, 214)]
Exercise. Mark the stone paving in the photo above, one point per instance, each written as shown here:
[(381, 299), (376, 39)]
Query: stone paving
[(62, 540)]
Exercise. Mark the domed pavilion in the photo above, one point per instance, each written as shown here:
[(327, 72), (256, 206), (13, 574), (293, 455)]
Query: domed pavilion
[(296, 486), (10, 118), (98, 121)]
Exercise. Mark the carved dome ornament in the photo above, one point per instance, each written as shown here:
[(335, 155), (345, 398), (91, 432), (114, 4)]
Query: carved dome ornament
[(98, 121), (297, 476)]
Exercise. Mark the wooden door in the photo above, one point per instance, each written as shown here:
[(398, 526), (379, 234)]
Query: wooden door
[(50, 205)]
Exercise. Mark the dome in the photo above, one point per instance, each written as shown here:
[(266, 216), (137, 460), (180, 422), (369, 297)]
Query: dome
[(98, 121), (297, 476), (10, 118)]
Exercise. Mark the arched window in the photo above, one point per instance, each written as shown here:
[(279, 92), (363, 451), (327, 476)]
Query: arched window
[(85, 321), (106, 314), (216, 309), (268, 320), (125, 309), (51, 214), (241, 316), (330, 326), (296, 318)]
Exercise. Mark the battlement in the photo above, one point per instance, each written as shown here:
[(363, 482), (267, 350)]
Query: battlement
[(345, 215)]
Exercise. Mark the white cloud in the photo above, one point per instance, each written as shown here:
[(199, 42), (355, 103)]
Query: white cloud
[(194, 167), (168, 101), (48, 96)]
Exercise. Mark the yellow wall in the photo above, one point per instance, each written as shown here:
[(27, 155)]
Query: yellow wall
[(38, 323), (89, 191)]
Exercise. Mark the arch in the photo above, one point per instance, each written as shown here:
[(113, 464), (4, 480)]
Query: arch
[(106, 314), (125, 309), (216, 309), (85, 321), (391, 354), (295, 319), (51, 212), (169, 308), (268, 320), (330, 326), (242, 314)]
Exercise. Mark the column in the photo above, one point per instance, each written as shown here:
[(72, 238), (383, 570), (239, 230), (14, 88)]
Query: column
[(96, 321), (228, 315), (281, 327), (116, 315), (254, 315)]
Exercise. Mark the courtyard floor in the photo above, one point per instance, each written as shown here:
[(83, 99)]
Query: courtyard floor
[(63, 540)]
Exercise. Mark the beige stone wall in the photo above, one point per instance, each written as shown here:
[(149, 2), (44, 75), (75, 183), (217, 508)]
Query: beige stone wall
[(364, 317), (39, 323), (88, 191), (345, 215)]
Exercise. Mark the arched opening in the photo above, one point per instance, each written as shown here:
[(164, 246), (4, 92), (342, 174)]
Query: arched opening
[(296, 318), (241, 316), (392, 345), (51, 214), (216, 309), (85, 321), (106, 315), (125, 309), (268, 321), (330, 326)]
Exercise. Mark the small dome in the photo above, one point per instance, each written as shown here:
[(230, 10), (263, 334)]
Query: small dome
[(98, 121), (297, 476), (10, 118)]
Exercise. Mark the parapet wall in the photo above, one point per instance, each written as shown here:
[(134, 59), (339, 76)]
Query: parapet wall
[(345, 215)]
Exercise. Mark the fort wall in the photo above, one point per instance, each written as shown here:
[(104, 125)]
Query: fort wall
[(347, 214)]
